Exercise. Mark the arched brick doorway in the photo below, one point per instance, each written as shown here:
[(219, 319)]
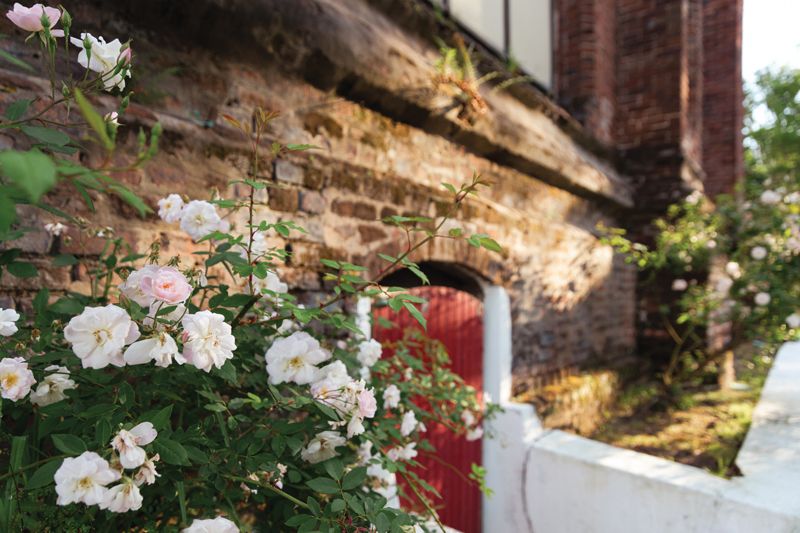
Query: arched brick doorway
[(455, 317)]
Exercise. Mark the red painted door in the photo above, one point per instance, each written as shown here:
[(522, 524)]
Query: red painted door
[(456, 319)]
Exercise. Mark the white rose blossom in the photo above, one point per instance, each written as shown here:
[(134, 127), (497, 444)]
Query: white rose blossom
[(211, 525), (128, 444), (330, 382), (474, 433), (679, 285), (769, 197), (408, 423), (83, 479), (403, 453), (170, 209), (132, 287), (8, 318), (104, 59), (162, 349), (123, 498), (199, 218), (55, 228), (322, 447), (99, 334), (762, 298), (369, 352), (52, 388), (207, 340), (793, 320), (733, 269), (758, 253), (16, 379), (146, 475), (294, 358), (391, 397)]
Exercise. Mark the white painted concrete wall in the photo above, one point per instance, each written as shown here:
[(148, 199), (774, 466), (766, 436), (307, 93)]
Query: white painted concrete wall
[(548, 481)]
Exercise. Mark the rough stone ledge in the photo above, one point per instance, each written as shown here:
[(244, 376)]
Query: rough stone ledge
[(356, 51)]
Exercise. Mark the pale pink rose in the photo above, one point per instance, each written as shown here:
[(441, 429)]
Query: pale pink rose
[(30, 18), (168, 285), (366, 403)]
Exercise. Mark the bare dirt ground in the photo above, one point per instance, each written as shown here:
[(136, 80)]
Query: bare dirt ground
[(702, 427)]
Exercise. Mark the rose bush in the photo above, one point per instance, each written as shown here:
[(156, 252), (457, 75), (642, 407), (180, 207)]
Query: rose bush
[(748, 241), (201, 397)]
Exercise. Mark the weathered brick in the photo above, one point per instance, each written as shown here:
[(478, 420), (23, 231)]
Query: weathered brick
[(312, 202), (357, 209), (288, 172), (284, 199)]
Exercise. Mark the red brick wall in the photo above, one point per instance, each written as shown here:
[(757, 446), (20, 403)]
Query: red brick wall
[(585, 48), (722, 100), (649, 64), (658, 80)]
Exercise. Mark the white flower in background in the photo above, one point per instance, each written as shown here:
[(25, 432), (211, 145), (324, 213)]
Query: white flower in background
[(403, 453), (259, 247), (170, 209), (207, 340), (99, 334), (355, 427), (51, 389), (770, 197), (104, 59), (55, 229), (382, 481), (271, 283), (83, 479), (474, 433), (287, 326), (391, 397), (282, 469), (146, 475), (132, 287), (215, 525), (330, 382), (724, 284), (8, 318), (294, 358), (758, 253), (733, 269), (199, 218), (369, 352), (762, 298), (322, 447), (16, 379), (408, 424), (367, 405), (468, 418), (30, 18), (112, 118), (792, 198), (793, 321), (162, 349), (679, 285), (123, 498), (364, 453), (128, 444), (694, 197)]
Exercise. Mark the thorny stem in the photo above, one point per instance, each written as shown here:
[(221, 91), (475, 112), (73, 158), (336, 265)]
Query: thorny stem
[(32, 465), (423, 500), (273, 488)]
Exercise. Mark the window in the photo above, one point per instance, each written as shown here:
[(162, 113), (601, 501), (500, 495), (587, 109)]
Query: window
[(519, 29)]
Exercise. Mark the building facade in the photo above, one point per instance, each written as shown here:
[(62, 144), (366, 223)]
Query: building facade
[(634, 103)]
